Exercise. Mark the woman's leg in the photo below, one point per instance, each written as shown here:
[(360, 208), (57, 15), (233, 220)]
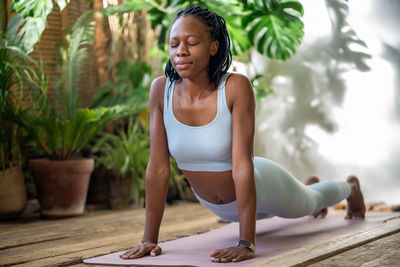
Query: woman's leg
[(280, 194)]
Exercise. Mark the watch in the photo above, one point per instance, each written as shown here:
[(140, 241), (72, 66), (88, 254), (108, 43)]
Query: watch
[(246, 244)]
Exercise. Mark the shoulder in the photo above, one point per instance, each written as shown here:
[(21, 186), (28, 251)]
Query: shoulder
[(238, 77), (157, 88), (238, 88), (158, 84)]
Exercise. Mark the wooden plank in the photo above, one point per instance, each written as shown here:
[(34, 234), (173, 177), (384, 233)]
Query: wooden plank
[(97, 218), (101, 220), (382, 252), (69, 241), (75, 252), (315, 253)]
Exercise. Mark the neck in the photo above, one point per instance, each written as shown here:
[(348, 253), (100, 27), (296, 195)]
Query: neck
[(196, 87)]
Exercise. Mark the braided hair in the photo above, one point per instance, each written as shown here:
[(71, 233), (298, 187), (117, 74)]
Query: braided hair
[(221, 61)]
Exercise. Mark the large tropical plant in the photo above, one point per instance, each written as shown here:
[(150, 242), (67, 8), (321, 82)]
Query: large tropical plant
[(58, 125), (14, 73), (274, 27)]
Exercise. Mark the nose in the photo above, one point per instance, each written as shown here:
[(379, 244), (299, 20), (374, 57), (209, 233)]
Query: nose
[(182, 50)]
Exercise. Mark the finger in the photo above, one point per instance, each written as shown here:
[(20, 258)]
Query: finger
[(223, 257), (216, 260), (129, 253), (156, 251), (238, 258), (223, 254), (143, 251), (217, 252), (228, 257)]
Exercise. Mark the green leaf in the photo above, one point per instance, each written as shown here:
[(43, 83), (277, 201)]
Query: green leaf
[(33, 8), (130, 6), (32, 16), (29, 34), (294, 8), (62, 4), (275, 27)]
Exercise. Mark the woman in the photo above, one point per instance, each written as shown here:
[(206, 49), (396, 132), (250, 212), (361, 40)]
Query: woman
[(204, 117)]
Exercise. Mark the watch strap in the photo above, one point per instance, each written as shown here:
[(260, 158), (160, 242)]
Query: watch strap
[(246, 244)]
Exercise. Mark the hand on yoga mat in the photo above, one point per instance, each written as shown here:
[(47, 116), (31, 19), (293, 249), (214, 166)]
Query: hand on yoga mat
[(232, 254), (142, 250)]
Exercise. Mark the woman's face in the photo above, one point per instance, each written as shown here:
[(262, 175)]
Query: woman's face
[(190, 46)]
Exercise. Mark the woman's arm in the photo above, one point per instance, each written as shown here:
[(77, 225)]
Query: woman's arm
[(241, 102), (243, 124), (158, 170), (157, 175)]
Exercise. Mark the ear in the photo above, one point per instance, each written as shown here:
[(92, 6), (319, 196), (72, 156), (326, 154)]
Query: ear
[(214, 47)]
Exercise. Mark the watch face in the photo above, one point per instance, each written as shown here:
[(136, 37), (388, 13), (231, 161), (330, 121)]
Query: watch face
[(245, 243)]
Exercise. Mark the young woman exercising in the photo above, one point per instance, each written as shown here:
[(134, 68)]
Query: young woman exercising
[(205, 117)]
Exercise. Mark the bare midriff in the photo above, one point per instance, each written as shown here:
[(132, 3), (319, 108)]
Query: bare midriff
[(215, 187)]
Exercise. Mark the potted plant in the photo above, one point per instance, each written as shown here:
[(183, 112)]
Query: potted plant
[(13, 71), (125, 154), (59, 129), (111, 182)]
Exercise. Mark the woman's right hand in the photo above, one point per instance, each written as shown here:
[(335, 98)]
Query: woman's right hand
[(147, 248)]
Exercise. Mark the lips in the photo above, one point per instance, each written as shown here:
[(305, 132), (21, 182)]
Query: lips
[(182, 64)]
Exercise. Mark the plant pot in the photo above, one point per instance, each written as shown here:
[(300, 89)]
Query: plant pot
[(121, 196), (12, 193), (99, 187), (61, 185)]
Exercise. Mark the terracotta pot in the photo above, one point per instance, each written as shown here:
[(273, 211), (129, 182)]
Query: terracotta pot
[(61, 185), (121, 196), (12, 193), (99, 187)]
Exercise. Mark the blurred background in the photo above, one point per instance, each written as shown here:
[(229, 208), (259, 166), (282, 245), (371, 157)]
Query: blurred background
[(75, 78), (335, 109)]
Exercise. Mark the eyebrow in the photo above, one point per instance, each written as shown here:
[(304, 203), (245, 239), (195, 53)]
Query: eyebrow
[(188, 36)]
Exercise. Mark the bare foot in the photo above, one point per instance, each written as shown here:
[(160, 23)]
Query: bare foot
[(313, 179), (356, 206)]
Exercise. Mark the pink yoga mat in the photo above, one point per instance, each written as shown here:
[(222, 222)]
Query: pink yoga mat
[(274, 236)]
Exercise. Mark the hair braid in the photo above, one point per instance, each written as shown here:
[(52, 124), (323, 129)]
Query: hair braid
[(221, 61)]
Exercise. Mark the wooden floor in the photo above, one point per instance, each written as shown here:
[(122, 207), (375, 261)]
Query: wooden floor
[(35, 242)]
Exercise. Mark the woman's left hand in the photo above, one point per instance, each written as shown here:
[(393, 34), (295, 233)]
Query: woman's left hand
[(232, 254)]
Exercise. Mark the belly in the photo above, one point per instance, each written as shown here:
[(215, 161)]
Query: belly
[(215, 187)]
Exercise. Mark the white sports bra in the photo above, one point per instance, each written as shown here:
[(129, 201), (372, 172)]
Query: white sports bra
[(200, 148)]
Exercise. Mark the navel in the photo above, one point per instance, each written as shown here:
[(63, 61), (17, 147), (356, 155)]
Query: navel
[(219, 200)]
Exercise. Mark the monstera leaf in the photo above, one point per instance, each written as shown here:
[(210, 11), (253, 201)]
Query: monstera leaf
[(232, 12), (274, 27), (36, 8), (32, 16)]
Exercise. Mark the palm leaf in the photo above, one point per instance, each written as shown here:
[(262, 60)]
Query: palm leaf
[(82, 34)]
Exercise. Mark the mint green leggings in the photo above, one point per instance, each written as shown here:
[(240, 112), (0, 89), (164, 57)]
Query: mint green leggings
[(280, 194)]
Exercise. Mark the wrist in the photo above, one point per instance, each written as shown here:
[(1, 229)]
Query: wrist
[(148, 241), (246, 244)]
